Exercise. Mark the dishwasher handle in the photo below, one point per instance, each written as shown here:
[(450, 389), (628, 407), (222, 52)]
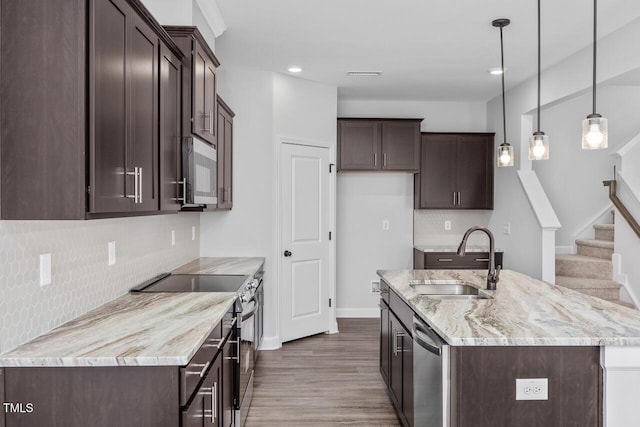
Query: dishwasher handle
[(426, 338)]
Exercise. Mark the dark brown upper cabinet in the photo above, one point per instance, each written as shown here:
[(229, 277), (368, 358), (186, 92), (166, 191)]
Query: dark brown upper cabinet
[(225, 155), (456, 171), (79, 109), (171, 182), (199, 83), (379, 144)]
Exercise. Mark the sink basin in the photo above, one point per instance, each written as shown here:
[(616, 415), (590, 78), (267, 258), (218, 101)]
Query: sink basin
[(447, 289)]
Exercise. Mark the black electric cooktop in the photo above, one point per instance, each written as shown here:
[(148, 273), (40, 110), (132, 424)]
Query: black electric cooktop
[(192, 283)]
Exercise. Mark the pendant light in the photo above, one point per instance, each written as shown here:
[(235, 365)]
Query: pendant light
[(505, 150), (594, 127), (539, 142)]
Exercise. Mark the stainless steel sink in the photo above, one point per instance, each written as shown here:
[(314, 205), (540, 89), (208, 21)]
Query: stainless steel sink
[(447, 289)]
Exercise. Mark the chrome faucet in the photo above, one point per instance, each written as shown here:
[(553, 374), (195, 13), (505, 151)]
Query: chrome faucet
[(494, 273)]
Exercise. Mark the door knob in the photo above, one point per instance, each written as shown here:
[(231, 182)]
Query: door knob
[(287, 253)]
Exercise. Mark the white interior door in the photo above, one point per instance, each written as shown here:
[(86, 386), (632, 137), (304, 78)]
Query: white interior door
[(305, 241)]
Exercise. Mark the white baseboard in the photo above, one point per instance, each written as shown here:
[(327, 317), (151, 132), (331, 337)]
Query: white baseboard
[(270, 343), (357, 312), (625, 293)]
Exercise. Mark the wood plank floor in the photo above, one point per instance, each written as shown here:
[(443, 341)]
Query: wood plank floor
[(324, 380)]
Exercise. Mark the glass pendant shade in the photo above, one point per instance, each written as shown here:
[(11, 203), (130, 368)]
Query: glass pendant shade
[(539, 146), (505, 155), (594, 132)]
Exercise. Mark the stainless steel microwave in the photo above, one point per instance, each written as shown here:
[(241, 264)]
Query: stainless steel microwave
[(200, 172)]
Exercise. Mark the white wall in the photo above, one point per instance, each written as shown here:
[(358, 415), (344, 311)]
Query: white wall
[(267, 106), (572, 177), (81, 279), (365, 199)]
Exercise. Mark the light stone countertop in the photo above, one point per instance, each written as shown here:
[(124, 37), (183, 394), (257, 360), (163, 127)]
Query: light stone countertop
[(452, 248), (523, 311), (146, 329), (233, 265)]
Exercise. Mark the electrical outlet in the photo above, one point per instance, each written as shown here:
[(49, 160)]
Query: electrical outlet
[(532, 389), (193, 232), (111, 249), (447, 225), (45, 269), (385, 224), (375, 287), (507, 228), (173, 237)]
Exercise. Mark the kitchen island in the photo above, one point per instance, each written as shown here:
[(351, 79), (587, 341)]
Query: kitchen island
[(525, 329)]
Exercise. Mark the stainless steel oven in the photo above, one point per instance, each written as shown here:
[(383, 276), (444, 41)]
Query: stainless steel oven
[(200, 172), (247, 352)]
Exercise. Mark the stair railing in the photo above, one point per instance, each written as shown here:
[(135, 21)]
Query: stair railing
[(621, 207)]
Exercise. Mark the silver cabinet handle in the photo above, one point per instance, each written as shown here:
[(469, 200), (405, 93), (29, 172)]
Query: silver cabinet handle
[(482, 259), (214, 342), (384, 160), (214, 402), (454, 198), (135, 185), (140, 185), (458, 198), (375, 160), (183, 184), (211, 117), (445, 259), (237, 357), (396, 335), (202, 372)]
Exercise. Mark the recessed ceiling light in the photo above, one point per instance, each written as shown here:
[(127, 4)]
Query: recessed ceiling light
[(295, 69), (496, 71), (364, 73)]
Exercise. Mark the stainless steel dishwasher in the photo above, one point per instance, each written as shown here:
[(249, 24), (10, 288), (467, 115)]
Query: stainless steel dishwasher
[(430, 377)]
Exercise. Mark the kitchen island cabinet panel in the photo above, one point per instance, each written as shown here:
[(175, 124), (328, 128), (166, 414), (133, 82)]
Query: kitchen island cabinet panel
[(123, 396), (484, 394)]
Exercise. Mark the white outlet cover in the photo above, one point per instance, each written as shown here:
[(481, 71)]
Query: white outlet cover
[(447, 225), (507, 228), (385, 224), (111, 249), (173, 237), (193, 232), (45, 269), (375, 287), (532, 389)]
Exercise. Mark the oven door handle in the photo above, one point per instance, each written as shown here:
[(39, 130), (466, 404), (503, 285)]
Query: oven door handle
[(251, 313)]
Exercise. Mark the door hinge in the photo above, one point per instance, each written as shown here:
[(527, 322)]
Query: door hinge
[(329, 302), (329, 235), (331, 165), (88, 189)]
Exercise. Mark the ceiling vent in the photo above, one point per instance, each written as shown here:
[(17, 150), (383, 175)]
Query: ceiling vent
[(364, 73)]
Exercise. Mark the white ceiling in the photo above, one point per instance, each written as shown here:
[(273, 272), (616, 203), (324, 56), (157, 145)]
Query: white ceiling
[(426, 49)]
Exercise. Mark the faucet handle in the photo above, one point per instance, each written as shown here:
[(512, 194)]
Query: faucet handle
[(496, 275)]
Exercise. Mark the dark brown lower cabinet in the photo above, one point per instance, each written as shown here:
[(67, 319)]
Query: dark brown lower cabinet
[(197, 395), (400, 374), (451, 260), (384, 341), (483, 391)]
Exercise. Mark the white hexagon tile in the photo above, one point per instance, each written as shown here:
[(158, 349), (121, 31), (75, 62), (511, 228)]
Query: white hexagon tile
[(81, 278)]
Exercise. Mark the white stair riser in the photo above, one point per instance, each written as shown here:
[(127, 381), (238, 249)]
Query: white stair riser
[(584, 269), (594, 251)]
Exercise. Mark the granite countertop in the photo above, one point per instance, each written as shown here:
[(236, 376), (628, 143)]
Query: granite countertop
[(234, 265), (452, 248), (523, 311), (133, 330)]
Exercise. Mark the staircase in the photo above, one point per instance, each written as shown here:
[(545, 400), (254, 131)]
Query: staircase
[(590, 270)]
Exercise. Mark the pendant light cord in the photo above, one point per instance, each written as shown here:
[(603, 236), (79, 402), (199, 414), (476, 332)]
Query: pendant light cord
[(539, 66), (504, 110), (595, 26)]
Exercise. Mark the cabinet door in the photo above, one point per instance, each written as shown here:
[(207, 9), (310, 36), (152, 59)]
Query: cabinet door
[(384, 342), (143, 93), (170, 93), (359, 144), (401, 145), (110, 187), (474, 176), (229, 358), (396, 331), (204, 409), (225, 156), (435, 184), (202, 121)]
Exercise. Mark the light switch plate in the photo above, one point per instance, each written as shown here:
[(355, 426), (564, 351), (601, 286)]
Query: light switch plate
[(507, 228), (385, 225), (173, 237), (532, 389), (111, 247), (193, 232), (45, 269), (447, 225)]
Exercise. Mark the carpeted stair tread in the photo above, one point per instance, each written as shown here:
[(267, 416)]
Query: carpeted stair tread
[(605, 244), (583, 266), (604, 226), (582, 283)]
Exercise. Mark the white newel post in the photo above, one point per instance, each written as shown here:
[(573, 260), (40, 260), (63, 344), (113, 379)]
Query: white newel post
[(621, 386)]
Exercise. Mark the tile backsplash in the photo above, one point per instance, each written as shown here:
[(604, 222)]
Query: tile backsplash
[(81, 278), (428, 226)]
